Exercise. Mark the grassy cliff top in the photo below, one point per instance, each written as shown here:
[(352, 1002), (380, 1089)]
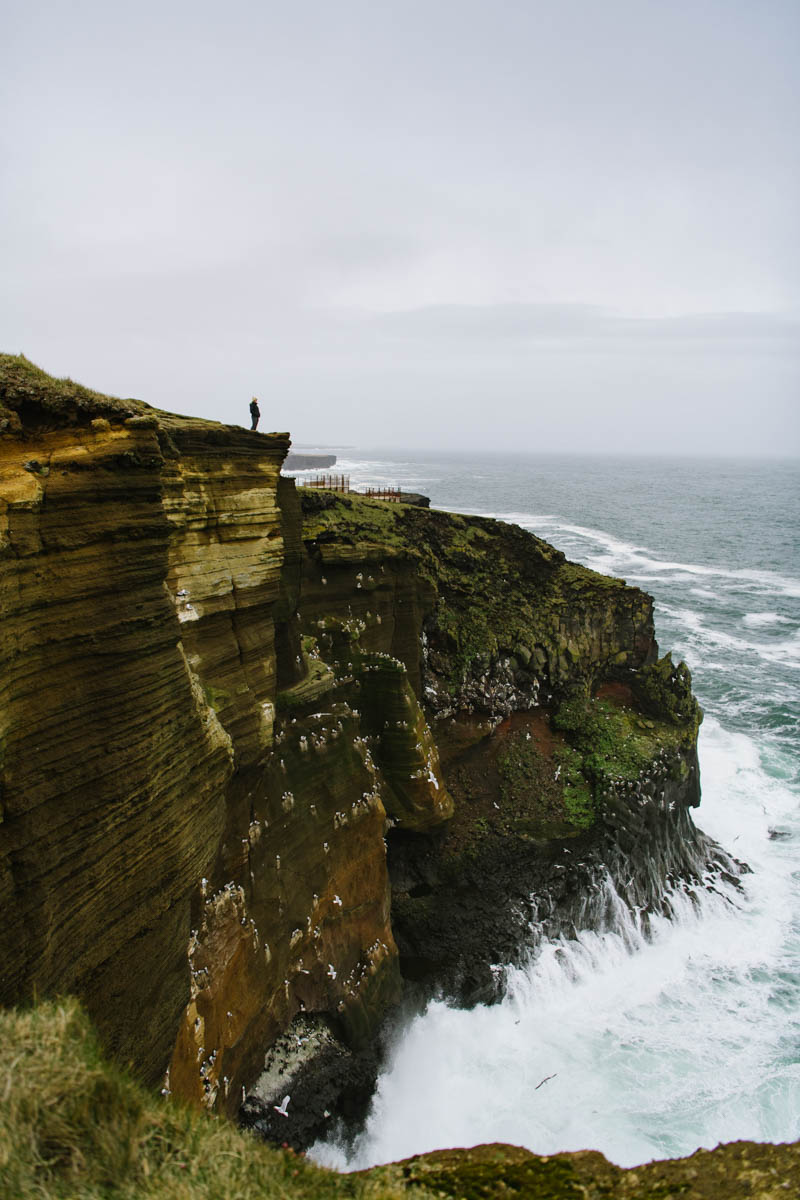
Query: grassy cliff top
[(73, 1126), (448, 547), (498, 586), (28, 391), (33, 401)]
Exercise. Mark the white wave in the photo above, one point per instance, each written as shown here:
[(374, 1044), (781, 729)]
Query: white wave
[(652, 1048), (758, 619), (617, 554), (785, 653)]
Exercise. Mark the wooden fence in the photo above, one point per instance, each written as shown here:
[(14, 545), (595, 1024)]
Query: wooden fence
[(331, 483), (384, 494), (341, 483)]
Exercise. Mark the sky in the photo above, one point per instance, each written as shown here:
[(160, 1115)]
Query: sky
[(539, 225)]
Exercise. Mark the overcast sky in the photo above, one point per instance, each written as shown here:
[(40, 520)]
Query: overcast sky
[(521, 224)]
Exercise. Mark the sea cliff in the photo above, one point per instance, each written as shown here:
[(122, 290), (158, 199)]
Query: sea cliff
[(273, 759)]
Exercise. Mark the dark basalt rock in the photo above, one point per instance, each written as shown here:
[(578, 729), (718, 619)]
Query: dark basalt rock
[(324, 1078), (456, 915)]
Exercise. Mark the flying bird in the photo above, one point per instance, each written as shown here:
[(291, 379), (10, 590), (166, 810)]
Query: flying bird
[(546, 1078), (281, 1108)]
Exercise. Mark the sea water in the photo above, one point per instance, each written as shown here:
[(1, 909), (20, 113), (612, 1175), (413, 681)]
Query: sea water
[(641, 1048)]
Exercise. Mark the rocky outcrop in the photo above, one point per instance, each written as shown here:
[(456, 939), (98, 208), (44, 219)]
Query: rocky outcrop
[(739, 1170), (224, 701), (568, 747), (309, 462)]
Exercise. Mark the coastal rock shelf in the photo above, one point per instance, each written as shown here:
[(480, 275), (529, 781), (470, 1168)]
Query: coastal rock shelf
[(271, 756)]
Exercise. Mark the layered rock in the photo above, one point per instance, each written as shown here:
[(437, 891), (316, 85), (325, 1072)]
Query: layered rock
[(223, 698), (167, 851), (140, 556)]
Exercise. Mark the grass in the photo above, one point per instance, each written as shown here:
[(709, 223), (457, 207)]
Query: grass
[(525, 773), (615, 742), (73, 1126), (23, 385)]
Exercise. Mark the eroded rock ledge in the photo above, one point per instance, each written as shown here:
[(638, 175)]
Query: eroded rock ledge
[(222, 699)]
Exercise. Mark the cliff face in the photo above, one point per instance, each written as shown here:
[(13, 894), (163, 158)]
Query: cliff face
[(568, 747), (195, 878), (140, 555), (223, 698)]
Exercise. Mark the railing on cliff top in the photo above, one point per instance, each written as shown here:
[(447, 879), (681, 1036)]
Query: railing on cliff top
[(341, 483), (331, 483)]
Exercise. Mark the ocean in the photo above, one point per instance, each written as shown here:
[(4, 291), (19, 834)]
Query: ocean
[(640, 1048)]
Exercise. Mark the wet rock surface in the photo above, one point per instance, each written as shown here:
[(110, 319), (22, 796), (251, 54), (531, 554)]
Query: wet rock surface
[(325, 1080)]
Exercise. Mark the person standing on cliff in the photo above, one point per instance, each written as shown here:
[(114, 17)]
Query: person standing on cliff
[(255, 413)]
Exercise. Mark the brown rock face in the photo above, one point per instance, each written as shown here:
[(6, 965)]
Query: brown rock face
[(217, 698), (114, 763), (195, 872)]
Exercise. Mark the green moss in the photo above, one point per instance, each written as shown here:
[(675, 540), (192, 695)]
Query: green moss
[(332, 517), (577, 789), (605, 737), (217, 698), (613, 742), (487, 1172), (665, 690)]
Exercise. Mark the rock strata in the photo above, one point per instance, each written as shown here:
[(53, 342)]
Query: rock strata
[(230, 709)]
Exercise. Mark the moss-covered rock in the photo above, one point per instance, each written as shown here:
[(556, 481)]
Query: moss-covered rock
[(504, 618), (665, 690), (416, 795)]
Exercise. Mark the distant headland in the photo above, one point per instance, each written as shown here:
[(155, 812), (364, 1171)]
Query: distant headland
[(309, 462)]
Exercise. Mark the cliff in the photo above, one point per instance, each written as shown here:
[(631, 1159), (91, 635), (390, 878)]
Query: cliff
[(141, 555), (269, 756)]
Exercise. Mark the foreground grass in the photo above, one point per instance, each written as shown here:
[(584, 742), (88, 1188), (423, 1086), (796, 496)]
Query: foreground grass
[(72, 1126)]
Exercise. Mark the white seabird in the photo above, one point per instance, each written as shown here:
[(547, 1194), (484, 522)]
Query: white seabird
[(281, 1108)]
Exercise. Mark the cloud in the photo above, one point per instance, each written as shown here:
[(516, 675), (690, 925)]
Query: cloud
[(412, 220)]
